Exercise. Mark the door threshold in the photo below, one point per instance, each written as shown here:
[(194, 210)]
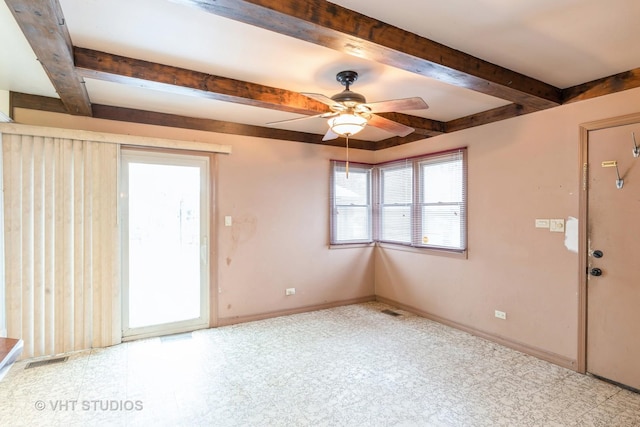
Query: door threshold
[(607, 380)]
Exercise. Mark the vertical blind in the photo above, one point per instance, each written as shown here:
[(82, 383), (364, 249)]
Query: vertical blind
[(61, 243), (62, 285)]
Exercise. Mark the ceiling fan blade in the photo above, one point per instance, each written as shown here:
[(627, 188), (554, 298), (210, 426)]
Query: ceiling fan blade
[(392, 105), (330, 135), (389, 125), (325, 100), (297, 119)]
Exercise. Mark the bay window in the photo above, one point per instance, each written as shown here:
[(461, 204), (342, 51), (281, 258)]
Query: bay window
[(418, 202)]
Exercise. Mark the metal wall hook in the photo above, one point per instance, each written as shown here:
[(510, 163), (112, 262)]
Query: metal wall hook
[(636, 149), (619, 181), (611, 164)]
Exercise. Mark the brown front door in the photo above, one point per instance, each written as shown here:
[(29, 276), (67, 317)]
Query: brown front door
[(613, 264)]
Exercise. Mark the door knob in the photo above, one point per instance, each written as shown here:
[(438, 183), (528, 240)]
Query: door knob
[(595, 272)]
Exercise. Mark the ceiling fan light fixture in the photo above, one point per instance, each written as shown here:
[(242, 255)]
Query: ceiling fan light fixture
[(347, 124)]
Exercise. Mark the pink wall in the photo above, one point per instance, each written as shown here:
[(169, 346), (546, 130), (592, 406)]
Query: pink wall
[(277, 193), (519, 170)]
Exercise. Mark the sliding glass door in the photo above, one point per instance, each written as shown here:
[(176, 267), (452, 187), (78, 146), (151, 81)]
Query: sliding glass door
[(165, 212)]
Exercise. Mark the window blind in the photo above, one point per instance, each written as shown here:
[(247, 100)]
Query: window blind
[(440, 208), (419, 202), (351, 207), (396, 202)]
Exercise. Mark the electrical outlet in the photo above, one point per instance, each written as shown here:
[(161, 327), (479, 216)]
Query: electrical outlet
[(290, 291), (501, 315)]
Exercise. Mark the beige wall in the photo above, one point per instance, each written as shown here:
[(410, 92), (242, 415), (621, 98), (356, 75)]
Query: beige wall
[(519, 170)]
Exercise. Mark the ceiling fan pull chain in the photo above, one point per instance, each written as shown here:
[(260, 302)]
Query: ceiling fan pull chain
[(347, 166)]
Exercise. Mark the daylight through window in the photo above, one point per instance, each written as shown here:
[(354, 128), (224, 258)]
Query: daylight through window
[(419, 202), (351, 208)]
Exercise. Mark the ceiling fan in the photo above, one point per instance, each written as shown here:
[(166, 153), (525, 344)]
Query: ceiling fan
[(350, 113)]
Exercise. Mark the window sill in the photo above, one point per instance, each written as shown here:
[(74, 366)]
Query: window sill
[(425, 251), (351, 245)]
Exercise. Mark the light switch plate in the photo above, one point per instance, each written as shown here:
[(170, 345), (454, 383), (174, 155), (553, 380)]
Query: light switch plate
[(556, 225), (228, 222), (542, 223)]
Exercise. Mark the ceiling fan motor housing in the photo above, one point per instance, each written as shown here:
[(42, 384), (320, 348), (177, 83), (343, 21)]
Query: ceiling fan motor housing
[(347, 97)]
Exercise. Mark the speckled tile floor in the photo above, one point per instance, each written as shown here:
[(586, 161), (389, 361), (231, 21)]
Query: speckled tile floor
[(348, 366)]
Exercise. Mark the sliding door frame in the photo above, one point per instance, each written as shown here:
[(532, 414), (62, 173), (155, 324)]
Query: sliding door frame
[(210, 296)]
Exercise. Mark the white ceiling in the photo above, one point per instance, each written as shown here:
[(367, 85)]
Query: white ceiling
[(560, 42)]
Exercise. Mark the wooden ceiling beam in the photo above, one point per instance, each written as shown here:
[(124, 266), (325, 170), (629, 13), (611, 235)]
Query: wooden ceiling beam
[(315, 21), (120, 69), (423, 127), (107, 112), (484, 117), (217, 126), (396, 140), (34, 102), (605, 86), (335, 27), (43, 24)]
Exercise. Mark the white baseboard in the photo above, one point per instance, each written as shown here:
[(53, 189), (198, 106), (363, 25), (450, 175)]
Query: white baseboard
[(3, 333)]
